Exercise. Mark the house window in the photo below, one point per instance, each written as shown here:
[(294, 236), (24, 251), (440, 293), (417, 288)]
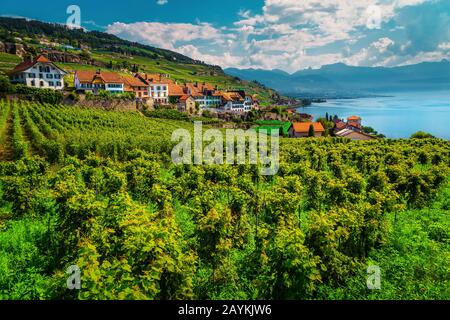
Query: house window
[(41, 76), (49, 76), (47, 69), (33, 83), (58, 83), (57, 76), (41, 83), (51, 84), (32, 75), (41, 69)]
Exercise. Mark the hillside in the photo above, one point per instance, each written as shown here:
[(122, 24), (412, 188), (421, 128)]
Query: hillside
[(340, 79), (78, 49)]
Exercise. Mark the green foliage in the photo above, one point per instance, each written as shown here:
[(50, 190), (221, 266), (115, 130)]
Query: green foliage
[(37, 94), (421, 135), (100, 191), (311, 132), (5, 84)]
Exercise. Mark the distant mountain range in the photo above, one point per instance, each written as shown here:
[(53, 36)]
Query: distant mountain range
[(341, 80)]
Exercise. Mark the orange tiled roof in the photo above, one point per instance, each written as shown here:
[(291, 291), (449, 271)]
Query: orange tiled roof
[(42, 59), (226, 96), (133, 82), (90, 76), (353, 118), (303, 127), (235, 96), (155, 78), (192, 88), (176, 90), (184, 97)]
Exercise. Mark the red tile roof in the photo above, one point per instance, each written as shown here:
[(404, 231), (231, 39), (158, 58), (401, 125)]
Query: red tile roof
[(232, 96), (185, 97), (303, 127), (29, 63), (175, 90), (155, 78), (42, 59), (133, 82), (353, 118)]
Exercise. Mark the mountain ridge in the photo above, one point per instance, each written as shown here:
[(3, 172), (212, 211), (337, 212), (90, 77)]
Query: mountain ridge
[(340, 78)]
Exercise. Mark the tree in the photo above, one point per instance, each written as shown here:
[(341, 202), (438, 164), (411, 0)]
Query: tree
[(421, 135), (173, 99), (5, 84), (311, 132)]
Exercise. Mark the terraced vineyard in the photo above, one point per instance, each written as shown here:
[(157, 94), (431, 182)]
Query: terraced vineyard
[(97, 190), (55, 132)]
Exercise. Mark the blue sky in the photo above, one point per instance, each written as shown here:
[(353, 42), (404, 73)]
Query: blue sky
[(269, 34)]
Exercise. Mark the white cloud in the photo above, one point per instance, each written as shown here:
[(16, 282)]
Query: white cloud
[(166, 35), (288, 35), (225, 59), (444, 46), (162, 2)]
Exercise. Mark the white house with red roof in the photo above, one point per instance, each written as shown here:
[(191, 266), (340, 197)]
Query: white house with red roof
[(39, 73)]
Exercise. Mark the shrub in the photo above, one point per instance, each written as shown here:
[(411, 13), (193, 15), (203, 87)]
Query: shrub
[(74, 97), (89, 95), (421, 135), (5, 84)]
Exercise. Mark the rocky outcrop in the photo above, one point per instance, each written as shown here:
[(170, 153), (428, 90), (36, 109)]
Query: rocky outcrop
[(65, 57), (57, 56), (13, 48)]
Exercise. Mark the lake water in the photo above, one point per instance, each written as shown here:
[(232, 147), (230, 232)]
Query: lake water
[(396, 116)]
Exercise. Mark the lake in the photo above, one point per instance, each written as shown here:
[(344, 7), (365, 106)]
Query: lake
[(396, 116)]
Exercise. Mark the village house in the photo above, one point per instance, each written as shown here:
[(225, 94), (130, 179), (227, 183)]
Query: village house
[(38, 73), (137, 86), (340, 125), (301, 129), (187, 104), (95, 81), (354, 135), (159, 86), (234, 101), (354, 122), (206, 95)]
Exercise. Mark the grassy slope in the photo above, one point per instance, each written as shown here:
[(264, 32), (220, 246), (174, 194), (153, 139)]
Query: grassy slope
[(8, 61)]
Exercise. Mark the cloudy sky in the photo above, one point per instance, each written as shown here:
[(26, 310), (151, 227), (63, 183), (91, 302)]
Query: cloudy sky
[(269, 34)]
